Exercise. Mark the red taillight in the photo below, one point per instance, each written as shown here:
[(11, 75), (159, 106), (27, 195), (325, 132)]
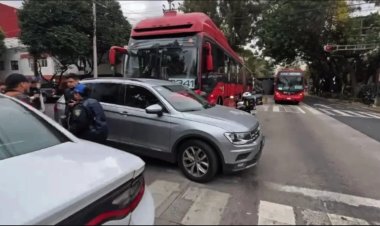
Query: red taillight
[(120, 213)]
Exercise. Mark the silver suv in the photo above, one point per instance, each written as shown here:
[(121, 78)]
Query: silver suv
[(160, 119)]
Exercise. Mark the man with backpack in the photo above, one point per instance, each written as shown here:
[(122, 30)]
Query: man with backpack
[(87, 119)]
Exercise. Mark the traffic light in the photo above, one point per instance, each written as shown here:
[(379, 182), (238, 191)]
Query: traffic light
[(329, 48)]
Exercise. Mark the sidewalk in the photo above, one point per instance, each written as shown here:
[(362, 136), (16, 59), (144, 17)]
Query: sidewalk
[(354, 103)]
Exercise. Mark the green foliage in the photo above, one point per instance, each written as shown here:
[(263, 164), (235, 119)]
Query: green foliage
[(235, 18), (64, 29)]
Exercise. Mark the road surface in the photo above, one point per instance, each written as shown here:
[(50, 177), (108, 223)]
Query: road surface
[(316, 168)]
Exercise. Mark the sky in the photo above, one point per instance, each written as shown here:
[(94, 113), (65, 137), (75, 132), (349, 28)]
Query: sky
[(133, 10)]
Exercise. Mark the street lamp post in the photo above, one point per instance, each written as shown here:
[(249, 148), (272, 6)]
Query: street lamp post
[(94, 47)]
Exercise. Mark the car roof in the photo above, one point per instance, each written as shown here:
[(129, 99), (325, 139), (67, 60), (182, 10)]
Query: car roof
[(143, 81)]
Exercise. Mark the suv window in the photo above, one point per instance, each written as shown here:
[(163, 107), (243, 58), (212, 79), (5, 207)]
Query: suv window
[(139, 97), (27, 134), (111, 93)]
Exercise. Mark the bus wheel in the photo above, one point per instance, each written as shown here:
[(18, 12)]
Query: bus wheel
[(220, 101)]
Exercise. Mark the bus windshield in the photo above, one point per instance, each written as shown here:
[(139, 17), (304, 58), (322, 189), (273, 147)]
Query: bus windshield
[(165, 58), (290, 81)]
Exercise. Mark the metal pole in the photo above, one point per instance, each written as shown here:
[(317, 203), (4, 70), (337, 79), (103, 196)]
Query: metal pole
[(95, 51)]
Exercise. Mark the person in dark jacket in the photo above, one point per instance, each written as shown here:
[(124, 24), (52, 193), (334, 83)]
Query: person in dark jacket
[(71, 81), (87, 119), (17, 86)]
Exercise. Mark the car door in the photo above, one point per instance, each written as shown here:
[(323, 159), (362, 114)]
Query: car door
[(150, 131), (111, 96)]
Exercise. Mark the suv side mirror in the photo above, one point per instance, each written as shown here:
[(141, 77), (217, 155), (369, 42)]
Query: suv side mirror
[(209, 59), (154, 109)]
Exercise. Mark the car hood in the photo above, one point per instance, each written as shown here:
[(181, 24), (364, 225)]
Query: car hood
[(43, 186), (229, 119)]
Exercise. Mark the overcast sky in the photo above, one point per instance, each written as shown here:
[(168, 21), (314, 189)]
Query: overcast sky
[(133, 10)]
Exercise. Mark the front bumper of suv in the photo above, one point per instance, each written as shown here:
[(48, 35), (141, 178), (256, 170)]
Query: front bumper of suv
[(243, 157)]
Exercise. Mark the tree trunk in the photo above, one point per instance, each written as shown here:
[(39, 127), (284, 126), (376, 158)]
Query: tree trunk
[(35, 66)]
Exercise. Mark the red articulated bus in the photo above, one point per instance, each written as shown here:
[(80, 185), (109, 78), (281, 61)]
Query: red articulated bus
[(187, 49), (289, 86)]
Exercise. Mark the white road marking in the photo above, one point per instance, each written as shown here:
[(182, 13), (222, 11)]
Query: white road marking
[(161, 190), (312, 110), (263, 107), (373, 115), (341, 113), (288, 109), (326, 195), (326, 111), (207, 209), (312, 217), (344, 220), (300, 110), (356, 114), (325, 106), (276, 108), (275, 214)]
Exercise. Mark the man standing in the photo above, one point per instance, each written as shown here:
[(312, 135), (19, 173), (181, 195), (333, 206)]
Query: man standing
[(35, 96), (17, 86), (87, 119), (71, 81)]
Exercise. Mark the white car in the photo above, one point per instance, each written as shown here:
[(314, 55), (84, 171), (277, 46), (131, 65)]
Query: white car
[(48, 176)]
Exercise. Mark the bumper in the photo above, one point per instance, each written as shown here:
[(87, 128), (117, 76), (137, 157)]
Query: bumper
[(245, 158), (293, 98), (144, 213)]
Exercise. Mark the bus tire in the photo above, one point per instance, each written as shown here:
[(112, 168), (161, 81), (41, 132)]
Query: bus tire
[(219, 101)]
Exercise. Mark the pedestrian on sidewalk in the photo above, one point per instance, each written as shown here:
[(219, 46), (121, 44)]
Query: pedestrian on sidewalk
[(71, 81), (17, 86), (87, 119)]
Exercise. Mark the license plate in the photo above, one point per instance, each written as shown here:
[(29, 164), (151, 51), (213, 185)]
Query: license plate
[(185, 82), (288, 98)]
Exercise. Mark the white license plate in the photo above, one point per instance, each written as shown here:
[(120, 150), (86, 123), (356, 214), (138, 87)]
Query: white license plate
[(185, 82), (288, 98)]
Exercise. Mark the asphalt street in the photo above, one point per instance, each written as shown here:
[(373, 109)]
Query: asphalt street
[(316, 168), (356, 116)]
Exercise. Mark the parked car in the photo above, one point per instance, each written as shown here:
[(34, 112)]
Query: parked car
[(160, 119), (48, 176)]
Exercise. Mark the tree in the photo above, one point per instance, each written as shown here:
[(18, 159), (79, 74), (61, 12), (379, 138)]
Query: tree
[(2, 45), (235, 18), (64, 29)]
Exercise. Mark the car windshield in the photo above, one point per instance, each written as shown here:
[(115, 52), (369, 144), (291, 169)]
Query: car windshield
[(182, 98), (290, 82), (26, 133), (171, 58)]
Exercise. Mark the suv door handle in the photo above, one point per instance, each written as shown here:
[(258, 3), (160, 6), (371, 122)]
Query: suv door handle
[(123, 112)]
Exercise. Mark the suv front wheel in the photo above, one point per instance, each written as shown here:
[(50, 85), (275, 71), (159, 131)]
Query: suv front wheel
[(198, 161)]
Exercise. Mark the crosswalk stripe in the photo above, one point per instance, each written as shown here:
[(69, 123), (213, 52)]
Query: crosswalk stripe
[(341, 113), (276, 108), (356, 114), (312, 217), (326, 111), (344, 220), (312, 110), (322, 105), (276, 214), (373, 115), (326, 195), (265, 107), (207, 209), (161, 191), (300, 109)]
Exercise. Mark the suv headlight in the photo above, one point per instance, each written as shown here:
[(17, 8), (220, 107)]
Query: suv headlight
[(243, 138)]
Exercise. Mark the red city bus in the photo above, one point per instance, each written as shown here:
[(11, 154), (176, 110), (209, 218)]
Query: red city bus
[(187, 49), (289, 86)]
